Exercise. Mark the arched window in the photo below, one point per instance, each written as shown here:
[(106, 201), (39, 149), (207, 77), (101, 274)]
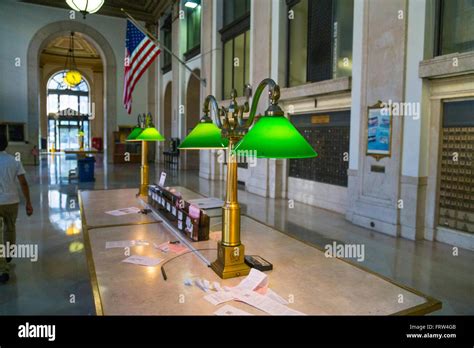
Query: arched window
[(61, 96), (68, 110)]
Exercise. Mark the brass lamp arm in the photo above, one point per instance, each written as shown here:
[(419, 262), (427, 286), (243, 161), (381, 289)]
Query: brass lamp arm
[(211, 100), (273, 94)]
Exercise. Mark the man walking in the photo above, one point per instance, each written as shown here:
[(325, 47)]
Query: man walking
[(10, 171)]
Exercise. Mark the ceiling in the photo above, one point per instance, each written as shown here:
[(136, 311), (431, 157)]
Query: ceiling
[(82, 48), (144, 10)]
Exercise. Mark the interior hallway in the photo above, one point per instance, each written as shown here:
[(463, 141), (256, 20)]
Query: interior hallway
[(45, 287)]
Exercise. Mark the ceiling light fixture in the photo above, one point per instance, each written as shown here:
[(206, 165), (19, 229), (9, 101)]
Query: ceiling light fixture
[(191, 4), (85, 6), (72, 76)]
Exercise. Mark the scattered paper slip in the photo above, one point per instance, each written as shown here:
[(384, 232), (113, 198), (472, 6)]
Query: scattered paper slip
[(123, 211), (263, 303), (124, 243), (274, 296), (230, 310), (207, 203), (177, 248), (217, 298), (200, 283), (216, 286), (142, 260), (254, 281), (167, 246)]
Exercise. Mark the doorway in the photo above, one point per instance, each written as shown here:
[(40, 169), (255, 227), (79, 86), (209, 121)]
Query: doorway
[(68, 110)]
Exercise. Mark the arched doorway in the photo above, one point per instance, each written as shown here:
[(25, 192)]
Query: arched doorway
[(67, 113), (37, 44), (193, 114)]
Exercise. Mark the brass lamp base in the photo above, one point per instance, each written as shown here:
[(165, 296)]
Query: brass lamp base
[(230, 261)]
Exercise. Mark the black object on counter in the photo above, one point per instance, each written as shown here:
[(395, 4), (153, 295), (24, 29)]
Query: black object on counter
[(258, 262)]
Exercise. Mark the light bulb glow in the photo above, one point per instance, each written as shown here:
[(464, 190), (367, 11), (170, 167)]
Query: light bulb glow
[(85, 6), (191, 4)]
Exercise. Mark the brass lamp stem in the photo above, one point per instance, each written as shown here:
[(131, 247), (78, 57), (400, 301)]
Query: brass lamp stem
[(230, 251), (231, 208), (144, 170)]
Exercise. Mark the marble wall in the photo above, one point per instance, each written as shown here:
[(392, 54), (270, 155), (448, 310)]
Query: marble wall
[(392, 59)]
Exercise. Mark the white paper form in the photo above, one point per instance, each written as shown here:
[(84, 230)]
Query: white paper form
[(230, 310), (217, 298), (254, 280), (124, 244), (123, 211), (142, 260), (274, 296), (263, 303)]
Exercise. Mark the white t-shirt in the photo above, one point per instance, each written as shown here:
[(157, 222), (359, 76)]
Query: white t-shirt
[(10, 168)]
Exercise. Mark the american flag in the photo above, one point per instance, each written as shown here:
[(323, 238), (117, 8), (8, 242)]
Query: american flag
[(140, 52)]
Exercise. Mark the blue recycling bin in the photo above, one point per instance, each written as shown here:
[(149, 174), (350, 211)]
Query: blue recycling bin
[(85, 168)]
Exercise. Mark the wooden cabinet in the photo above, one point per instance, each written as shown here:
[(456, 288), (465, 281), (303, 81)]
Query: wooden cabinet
[(126, 152)]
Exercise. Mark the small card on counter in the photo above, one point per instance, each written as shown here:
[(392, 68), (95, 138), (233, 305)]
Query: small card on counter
[(162, 179), (143, 260), (207, 203), (173, 247), (123, 211)]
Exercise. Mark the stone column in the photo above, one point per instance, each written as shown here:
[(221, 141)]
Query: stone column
[(416, 128), (97, 123), (375, 195), (265, 179), (211, 53), (43, 107)]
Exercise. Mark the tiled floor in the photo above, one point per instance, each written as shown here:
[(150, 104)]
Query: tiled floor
[(58, 283)]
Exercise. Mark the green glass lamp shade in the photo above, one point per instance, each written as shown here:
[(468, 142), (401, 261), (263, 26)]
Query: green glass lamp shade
[(134, 134), (205, 135), (150, 134), (274, 137)]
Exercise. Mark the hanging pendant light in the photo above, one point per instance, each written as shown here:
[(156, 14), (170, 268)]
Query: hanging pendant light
[(72, 76), (85, 6)]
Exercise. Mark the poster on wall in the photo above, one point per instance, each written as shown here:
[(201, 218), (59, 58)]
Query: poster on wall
[(379, 131)]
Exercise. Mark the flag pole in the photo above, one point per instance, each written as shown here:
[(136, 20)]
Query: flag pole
[(151, 36)]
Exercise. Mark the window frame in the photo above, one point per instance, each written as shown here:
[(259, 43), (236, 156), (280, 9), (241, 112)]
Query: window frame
[(309, 65), (196, 49), (438, 28), (167, 29), (229, 32), (289, 5), (7, 131), (68, 91)]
